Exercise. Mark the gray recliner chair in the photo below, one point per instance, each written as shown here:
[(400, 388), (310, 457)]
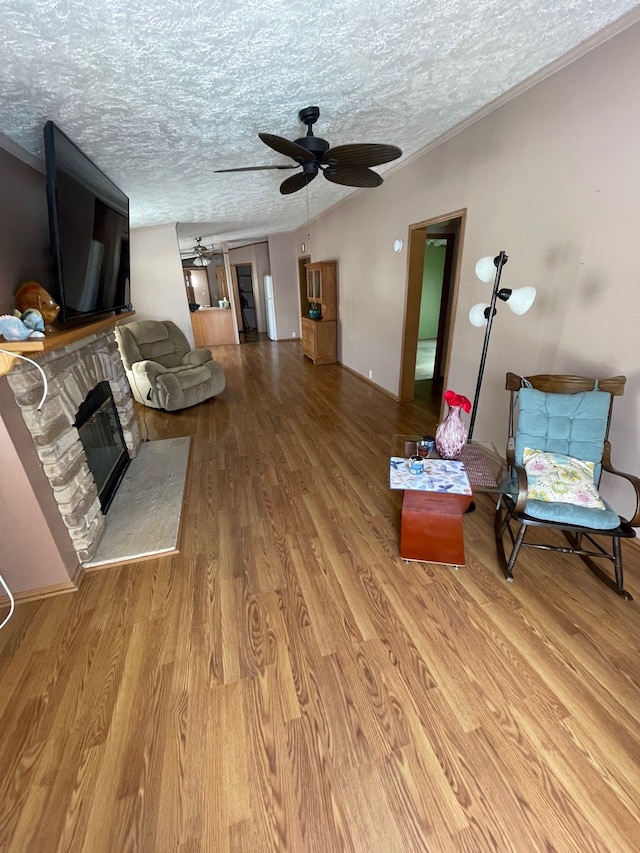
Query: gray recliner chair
[(162, 369)]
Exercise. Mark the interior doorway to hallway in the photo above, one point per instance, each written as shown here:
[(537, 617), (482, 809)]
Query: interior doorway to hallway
[(245, 302), (432, 289), (247, 299)]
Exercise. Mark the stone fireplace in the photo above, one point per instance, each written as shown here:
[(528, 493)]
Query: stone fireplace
[(73, 371)]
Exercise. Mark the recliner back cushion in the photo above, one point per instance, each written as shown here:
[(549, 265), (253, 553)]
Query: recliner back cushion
[(154, 340), (572, 424)]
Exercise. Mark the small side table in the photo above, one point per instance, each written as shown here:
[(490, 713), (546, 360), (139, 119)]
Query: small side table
[(433, 506), (484, 467)]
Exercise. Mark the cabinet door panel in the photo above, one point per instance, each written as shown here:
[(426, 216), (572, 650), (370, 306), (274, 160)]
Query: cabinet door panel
[(319, 336)]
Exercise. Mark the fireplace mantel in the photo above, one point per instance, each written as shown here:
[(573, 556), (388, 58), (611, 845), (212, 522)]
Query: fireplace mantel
[(54, 340)]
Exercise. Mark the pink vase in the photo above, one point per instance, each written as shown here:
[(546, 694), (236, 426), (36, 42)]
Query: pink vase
[(451, 435)]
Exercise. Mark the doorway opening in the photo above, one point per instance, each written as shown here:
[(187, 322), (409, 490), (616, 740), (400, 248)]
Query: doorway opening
[(247, 299), (196, 281), (435, 251)]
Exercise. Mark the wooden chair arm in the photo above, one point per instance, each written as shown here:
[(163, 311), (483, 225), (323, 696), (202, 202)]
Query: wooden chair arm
[(630, 478), (518, 473), (515, 472)]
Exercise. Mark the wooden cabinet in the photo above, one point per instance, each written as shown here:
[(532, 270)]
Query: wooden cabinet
[(321, 288), (319, 340), (319, 337)]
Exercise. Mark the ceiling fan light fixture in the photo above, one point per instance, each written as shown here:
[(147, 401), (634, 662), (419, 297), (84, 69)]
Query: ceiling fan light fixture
[(200, 260)]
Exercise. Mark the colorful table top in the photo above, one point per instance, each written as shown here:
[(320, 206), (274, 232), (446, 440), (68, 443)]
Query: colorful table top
[(440, 475)]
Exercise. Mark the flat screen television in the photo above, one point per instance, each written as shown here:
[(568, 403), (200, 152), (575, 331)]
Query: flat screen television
[(89, 228)]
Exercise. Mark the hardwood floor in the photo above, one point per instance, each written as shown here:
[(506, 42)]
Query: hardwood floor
[(288, 683)]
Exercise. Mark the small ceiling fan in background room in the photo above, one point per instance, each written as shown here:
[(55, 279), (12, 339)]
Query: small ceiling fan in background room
[(349, 165), (199, 255)]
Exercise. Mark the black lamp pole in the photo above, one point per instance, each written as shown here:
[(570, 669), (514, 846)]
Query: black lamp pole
[(489, 313)]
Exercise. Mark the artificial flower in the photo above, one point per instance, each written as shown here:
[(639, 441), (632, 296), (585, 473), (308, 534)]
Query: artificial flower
[(460, 400)]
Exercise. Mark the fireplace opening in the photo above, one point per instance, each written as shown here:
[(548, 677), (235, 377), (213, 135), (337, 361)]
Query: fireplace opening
[(101, 435)]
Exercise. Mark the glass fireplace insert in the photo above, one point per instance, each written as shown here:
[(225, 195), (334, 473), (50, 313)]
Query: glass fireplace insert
[(101, 435)]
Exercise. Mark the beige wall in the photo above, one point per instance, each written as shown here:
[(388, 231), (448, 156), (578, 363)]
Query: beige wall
[(262, 268), (37, 552), (286, 297), (553, 178), (157, 278)]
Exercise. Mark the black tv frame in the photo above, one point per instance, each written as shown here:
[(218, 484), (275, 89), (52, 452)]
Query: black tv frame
[(85, 292)]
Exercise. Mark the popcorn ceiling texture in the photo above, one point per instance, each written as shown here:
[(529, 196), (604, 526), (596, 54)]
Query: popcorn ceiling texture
[(159, 93)]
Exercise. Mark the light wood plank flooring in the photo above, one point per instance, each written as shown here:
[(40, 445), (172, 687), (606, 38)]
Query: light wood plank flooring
[(287, 683)]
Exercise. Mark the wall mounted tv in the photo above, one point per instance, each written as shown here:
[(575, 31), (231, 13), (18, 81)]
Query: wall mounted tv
[(89, 227)]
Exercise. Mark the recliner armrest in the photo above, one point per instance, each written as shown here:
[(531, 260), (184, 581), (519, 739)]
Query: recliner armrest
[(148, 369), (196, 357)]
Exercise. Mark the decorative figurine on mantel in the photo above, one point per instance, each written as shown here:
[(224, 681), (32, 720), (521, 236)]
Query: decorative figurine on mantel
[(17, 327), (30, 294)]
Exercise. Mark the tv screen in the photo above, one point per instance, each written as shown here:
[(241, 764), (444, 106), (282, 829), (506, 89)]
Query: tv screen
[(89, 226)]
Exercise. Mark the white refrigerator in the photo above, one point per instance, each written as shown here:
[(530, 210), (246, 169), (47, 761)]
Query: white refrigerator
[(270, 310)]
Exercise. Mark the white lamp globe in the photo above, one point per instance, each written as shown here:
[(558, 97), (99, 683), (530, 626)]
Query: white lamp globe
[(486, 269), (476, 315), (521, 299)]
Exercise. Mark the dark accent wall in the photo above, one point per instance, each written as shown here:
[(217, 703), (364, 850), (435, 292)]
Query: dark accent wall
[(37, 551), (24, 229)]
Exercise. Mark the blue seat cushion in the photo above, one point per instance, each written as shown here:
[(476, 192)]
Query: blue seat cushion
[(572, 424), (596, 519)]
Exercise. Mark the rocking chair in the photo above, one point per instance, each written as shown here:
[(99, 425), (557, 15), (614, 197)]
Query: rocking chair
[(556, 457)]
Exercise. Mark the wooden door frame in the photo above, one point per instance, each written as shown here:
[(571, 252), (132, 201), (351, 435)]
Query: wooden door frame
[(445, 302), (236, 294), (415, 267), (302, 284)]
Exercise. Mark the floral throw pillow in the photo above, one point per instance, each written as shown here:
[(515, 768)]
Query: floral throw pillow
[(561, 479)]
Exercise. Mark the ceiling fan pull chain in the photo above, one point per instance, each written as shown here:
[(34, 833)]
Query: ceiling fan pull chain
[(308, 227)]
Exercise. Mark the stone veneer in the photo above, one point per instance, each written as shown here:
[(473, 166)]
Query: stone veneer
[(72, 372)]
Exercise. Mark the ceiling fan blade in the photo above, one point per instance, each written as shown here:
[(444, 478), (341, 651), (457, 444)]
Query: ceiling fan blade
[(296, 182), (255, 168), (367, 154), (289, 149), (352, 177)]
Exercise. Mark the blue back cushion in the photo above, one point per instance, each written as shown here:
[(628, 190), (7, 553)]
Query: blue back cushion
[(573, 424)]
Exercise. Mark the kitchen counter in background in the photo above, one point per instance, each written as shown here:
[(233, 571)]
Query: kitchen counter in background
[(213, 326)]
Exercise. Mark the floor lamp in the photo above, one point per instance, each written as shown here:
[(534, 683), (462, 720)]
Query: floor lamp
[(519, 300)]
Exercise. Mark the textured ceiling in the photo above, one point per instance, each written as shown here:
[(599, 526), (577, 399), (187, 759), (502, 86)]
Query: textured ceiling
[(160, 93)]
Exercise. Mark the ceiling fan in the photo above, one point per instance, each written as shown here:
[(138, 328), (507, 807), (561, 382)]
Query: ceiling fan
[(345, 164), (200, 254)]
